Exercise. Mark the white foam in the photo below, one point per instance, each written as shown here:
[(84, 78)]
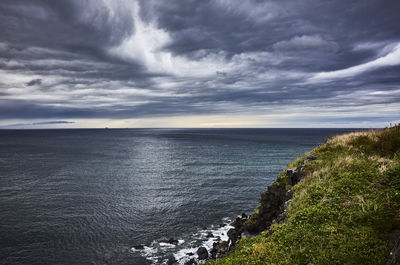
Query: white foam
[(221, 232), (156, 250), (167, 245)]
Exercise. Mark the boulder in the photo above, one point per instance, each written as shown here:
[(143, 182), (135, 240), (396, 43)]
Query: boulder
[(209, 234), (219, 250), (222, 249), (233, 235), (213, 251), (202, 253), (138, 247), (169, 240)]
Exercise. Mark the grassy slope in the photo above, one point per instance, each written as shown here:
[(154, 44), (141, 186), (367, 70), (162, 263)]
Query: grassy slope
[(340, 211)]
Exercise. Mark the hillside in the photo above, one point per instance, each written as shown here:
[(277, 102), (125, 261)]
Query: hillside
[(338, 204)]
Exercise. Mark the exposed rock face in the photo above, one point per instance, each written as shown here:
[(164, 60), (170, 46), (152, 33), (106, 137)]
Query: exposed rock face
[(233, 235), (274, 199), (213, 251), (222, 249), (310, 157), (272, 205), (240, 223), (274, 202), (294, 175)]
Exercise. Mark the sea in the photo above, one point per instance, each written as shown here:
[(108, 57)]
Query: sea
[(133, 196)]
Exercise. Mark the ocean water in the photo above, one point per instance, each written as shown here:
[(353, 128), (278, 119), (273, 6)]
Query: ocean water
[(90, 196)]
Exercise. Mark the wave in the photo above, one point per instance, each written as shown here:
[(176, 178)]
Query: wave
[(182, 250)]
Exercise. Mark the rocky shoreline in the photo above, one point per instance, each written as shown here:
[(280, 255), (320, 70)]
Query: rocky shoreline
[(273, 204)]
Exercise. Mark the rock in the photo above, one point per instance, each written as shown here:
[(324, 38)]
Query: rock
[(233, 236), (222, 248), (245, 234), (138, 247), (272, 204), (312, 157), (191, 262), (190, 253), (295, 175), (202, 253), (222, 225), (218, 238), (309, 158), (209, 234), (172, 261), (173, 241), (213, 251), (244, 216), (169, 240), (239, 224), (219, 249)]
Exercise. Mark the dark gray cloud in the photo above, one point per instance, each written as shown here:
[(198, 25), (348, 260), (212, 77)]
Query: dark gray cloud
[(34, 82), (129, 59), (86, 26)]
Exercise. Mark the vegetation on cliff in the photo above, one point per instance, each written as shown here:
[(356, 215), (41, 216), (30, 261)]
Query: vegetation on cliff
[(345, 203)]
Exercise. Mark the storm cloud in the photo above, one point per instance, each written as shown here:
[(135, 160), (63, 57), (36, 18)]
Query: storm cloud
[(305, 63)]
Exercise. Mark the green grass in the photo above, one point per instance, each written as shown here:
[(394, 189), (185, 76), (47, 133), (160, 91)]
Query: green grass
[(339, 213)]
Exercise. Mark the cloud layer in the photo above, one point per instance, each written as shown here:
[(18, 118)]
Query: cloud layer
[(255, 63)]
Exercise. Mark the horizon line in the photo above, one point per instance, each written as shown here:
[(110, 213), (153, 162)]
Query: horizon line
[(186, 128)]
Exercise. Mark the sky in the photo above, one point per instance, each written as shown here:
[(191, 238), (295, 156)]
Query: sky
[(203, 63)]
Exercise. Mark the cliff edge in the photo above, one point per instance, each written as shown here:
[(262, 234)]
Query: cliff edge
[(338, 204)]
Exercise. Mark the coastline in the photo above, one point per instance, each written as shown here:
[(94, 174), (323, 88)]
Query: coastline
[(124, 182), (337, 204), (273, 204)]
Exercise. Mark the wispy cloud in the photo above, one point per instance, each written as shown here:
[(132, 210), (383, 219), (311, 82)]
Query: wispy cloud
[(305, 42), (33, 124), (390, 59)]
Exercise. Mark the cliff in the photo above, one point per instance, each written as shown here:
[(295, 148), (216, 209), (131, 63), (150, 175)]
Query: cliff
[(338, 204)]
